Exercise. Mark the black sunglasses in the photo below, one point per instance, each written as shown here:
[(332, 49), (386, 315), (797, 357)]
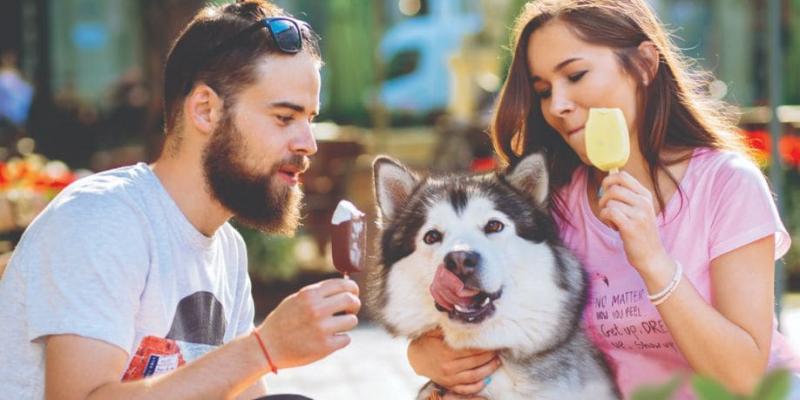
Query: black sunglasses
[(286, 33)]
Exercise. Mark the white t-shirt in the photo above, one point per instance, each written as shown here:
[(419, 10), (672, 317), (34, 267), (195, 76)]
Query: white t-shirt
[(113, 258)]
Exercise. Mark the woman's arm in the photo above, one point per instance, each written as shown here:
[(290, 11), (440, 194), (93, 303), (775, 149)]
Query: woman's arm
[(728, 340), (460, 371)]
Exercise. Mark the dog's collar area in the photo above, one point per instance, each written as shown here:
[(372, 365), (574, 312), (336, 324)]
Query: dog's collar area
[(479, 308)]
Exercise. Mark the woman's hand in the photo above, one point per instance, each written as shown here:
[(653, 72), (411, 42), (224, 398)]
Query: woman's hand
[(460, 371), (628, 207)]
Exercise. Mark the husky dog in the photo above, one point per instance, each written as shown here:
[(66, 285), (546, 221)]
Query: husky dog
[(518, 291)]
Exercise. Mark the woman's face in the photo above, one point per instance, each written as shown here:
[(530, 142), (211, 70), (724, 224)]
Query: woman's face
[(570, 76)]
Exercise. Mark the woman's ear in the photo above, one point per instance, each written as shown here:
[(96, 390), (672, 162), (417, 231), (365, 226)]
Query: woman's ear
[(202, 108), (650, 59)]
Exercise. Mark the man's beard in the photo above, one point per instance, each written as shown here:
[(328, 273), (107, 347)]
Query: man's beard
[(250, 195)]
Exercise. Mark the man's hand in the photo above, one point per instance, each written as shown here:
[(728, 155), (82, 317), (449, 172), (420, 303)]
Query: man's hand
[(305, 328)]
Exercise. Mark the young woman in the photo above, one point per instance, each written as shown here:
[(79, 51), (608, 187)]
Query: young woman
[(680, 244)]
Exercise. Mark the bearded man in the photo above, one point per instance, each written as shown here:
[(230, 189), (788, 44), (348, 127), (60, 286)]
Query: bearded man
[(133, 284)]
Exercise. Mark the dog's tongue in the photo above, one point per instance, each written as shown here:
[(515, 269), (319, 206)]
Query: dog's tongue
[(447, 290)]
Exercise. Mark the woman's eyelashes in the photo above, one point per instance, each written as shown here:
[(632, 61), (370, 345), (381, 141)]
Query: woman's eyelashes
[(573, 78), (576, 76)]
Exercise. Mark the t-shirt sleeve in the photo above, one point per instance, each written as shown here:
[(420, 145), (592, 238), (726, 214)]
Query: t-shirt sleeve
[(87, 262), (247, 311), (245, 307), (744, 209)]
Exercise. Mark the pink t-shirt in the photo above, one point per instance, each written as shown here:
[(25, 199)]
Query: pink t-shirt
[(727, 204)]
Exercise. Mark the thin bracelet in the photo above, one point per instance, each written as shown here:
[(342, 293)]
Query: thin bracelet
[(266, 354), (663, 295)]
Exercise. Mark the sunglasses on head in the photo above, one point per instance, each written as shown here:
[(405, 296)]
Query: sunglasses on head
[(286, 33)]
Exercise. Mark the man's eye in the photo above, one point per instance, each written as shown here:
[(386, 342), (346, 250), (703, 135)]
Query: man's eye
[(284, 119), (577, 76), (432, 236), (493, 226)]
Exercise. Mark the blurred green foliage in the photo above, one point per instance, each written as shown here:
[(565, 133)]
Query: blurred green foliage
[(270, 257), (776, 385)]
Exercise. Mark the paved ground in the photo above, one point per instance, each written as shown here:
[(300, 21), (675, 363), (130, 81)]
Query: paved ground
[(374, 366)]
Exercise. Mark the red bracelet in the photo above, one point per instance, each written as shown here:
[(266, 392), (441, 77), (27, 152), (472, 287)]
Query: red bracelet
[(266, 354)]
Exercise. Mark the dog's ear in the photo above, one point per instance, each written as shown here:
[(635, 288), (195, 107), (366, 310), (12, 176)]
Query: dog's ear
[(393, 184), (529, 176)]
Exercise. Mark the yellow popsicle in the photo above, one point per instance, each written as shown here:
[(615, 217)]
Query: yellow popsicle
[(607, 142)]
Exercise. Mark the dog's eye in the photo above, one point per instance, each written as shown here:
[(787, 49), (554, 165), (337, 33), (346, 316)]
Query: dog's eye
[(493, 226), (432, 236)]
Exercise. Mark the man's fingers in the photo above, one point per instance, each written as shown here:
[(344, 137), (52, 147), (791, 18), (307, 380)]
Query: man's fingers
[(330, 287), (346, 302), (338, 341), (340, 323)]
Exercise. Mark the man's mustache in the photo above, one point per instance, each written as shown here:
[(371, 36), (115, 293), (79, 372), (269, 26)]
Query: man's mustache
[(294, 162)]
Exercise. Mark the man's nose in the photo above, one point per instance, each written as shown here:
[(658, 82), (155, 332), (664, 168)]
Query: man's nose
[(304, 142)]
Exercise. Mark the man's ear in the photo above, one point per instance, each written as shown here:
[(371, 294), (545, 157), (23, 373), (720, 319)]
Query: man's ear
[(650, 60), (202, 108)]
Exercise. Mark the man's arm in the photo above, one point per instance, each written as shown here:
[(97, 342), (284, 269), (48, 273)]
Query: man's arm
[(258, 389), (83, 368), (301, 330)]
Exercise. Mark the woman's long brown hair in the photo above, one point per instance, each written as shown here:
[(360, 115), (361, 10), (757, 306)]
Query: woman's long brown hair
[(674, 110)]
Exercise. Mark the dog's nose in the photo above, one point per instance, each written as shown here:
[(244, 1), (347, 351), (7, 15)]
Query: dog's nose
[(462, 263)]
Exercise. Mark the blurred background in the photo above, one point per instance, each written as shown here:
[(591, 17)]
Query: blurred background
[(81, 92)]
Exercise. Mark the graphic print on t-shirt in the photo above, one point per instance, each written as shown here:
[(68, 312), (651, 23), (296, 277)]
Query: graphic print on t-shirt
[(197, 328), (625, 319)]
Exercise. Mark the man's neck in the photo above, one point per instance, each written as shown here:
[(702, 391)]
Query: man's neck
[(181, 174)]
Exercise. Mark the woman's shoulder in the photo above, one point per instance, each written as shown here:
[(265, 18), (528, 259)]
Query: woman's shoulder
[(721, 164)]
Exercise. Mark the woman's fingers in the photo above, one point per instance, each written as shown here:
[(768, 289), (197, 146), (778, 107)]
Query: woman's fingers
[(473, 380)]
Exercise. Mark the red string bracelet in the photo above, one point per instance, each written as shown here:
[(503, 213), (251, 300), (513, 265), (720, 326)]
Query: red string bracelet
[(266, 354)]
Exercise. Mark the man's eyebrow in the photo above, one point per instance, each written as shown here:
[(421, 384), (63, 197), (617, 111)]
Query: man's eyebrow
[(558, 67), (293, 106)]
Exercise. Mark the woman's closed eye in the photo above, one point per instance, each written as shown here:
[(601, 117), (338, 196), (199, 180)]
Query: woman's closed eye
[(576, 76)]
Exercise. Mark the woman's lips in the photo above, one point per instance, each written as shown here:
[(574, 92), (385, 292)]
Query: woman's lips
[(574, 131)]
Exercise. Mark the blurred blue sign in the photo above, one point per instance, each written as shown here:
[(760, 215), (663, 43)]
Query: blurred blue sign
[(89, 35)]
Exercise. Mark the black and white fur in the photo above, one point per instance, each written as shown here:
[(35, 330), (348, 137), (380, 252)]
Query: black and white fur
[(533, 291)]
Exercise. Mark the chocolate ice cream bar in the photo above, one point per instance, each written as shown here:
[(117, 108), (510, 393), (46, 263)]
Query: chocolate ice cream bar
[(348, 238)]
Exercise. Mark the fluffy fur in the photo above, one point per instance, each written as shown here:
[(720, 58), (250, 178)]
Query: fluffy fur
[(537, 289)]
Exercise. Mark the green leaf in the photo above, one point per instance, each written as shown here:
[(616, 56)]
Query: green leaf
[(657, 392), (774, 386), (708, 389)]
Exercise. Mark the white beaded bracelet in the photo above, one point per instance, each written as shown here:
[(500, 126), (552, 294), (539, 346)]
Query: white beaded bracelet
[(663, 295)]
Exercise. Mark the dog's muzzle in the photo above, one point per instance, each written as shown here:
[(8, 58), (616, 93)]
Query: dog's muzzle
[(456, 291)]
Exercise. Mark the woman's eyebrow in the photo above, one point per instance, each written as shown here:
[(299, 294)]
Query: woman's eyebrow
[(558, 67)]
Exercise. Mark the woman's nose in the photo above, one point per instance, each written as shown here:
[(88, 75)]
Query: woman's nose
[(560, 102)]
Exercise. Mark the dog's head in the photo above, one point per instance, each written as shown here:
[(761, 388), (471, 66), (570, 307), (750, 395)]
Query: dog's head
[(474, 255)]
